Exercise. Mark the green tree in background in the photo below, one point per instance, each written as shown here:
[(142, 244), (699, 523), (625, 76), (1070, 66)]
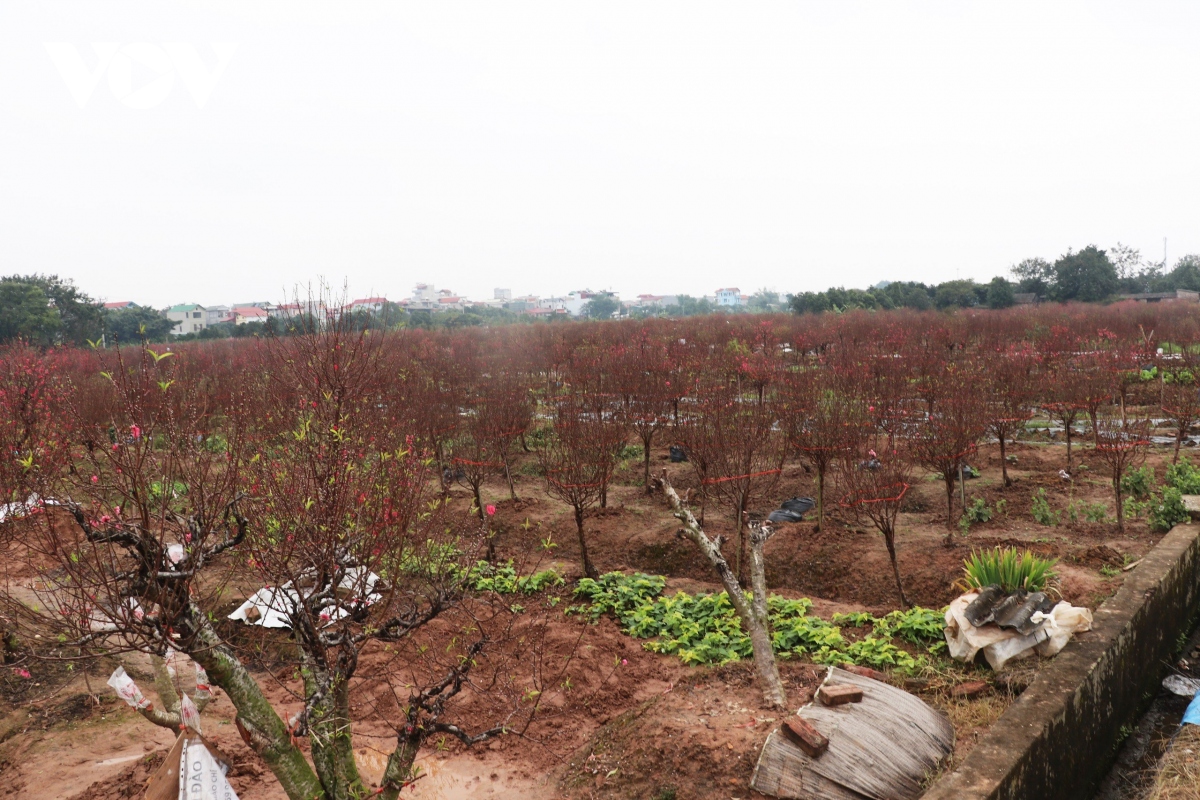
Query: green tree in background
[(1087, 276), (26, 313), (80, 318), (1034, 275), (1000, 293), (130, 325), (959, 294), (602, 306)]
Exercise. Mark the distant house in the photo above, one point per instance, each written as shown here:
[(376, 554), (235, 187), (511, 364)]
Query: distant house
[(188, 318), (218, 314), (243, 314), (731, 297), (124, 304), (1179, 295), (1025, 298), (372, 305)]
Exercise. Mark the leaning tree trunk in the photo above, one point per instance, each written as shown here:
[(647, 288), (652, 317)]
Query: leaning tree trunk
[(753, 619)]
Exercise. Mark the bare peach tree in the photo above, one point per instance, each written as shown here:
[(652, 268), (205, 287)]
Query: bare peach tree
[(737, 444), (875, 494), (578, 461), (823, 424), (1122, 443)]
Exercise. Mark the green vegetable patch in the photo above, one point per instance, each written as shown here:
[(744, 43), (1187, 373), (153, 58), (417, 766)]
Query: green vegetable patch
[(704, 628)]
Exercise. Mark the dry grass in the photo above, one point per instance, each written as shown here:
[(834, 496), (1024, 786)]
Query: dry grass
[(1179, 772)]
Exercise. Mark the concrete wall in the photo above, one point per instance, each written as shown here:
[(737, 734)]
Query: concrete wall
[(1059, 739)]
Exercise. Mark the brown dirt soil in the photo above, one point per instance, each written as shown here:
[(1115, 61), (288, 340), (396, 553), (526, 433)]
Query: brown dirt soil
[(618, 721)]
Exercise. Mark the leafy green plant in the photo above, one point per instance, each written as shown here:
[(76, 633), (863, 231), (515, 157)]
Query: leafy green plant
[(1042, 513), (1091, 512), (1167, 511), (503, 579), (978, 511), (1008, 568), (1134, 508), (1002, 508), (917, 625), (1138, 483), (704, 629), (630, 451), (1184, 476), (1109, 571)]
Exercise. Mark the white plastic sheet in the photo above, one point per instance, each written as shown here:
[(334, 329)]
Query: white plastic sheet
[(11, 511), (275, 605), (1001, 645), (201, 776)]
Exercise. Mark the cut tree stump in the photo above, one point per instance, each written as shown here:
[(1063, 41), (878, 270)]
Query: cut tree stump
[(801, 732)]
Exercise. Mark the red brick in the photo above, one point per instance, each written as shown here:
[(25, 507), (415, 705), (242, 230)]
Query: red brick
[(866, 672), (970, 689), (801, 732), (837, 694)]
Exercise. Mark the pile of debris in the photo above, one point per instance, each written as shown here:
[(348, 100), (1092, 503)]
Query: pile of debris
[(792, 510), (1011, 625)]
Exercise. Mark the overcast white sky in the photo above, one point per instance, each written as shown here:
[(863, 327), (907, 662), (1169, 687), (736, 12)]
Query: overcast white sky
[(543, 147)]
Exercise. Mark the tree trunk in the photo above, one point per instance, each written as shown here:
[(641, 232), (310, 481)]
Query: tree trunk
[(588, 569), (1067, 430), (512, 490), (760, 638), (820, 499), (332, 748), (1178, 442), (256, 718), (1120, 507), (1003, 465), (741, 542), (949, 479), (399, 772), (646, 465), (890, 540)]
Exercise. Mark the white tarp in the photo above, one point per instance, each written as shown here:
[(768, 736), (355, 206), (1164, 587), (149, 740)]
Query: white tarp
[(1001, 645), (275, 605), (9, 511)]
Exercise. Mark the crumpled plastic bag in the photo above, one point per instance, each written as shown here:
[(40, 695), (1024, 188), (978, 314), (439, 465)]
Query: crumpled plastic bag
[(189, 715), (127, 690), (1001, 645)]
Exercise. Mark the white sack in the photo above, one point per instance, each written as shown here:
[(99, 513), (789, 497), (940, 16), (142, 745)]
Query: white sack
[(1001, 645)]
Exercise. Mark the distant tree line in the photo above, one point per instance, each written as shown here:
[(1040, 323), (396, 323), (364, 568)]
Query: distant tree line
[(1091, 275)]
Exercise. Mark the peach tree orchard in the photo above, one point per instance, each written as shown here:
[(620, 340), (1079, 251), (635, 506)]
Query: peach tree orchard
[(285, 468)]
